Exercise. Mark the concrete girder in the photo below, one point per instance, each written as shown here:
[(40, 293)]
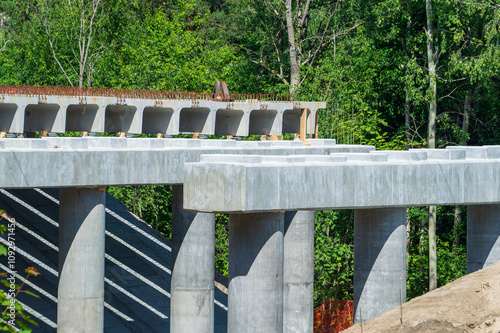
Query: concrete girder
[(131, 115), (103, 161), (377, 179)]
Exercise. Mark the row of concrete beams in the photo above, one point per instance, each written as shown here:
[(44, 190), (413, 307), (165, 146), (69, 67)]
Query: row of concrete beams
[(378, 185), (84, 165), (344, 181), (105, 161), (57, 114)]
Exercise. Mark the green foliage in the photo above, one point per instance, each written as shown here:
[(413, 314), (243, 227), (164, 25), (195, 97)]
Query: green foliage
[(333, 255), (222, 243), (150, 202), (451, 259)]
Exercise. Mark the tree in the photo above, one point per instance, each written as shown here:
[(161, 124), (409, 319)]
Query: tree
[(284, 37), (72, 28), (431, 61)]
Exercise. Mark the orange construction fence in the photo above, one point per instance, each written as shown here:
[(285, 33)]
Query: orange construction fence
[(333, 316)]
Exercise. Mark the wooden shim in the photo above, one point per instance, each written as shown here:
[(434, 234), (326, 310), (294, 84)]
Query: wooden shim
[(303, 125)]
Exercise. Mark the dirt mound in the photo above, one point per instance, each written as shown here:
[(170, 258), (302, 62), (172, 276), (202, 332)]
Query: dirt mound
[(469, 304)]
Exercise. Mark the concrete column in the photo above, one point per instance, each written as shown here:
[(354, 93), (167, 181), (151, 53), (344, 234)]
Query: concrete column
[(298, 278), (193, 255), (483, 236), (80, 293), (256, 273), (379, 261)]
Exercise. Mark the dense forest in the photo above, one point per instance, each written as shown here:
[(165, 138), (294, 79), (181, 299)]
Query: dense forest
[(395, 74)]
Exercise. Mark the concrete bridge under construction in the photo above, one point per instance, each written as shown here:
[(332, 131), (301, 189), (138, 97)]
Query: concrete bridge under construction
[(60, 109), (270, 190)]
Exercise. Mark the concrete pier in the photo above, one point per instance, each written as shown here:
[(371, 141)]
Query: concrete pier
[(483, 236), (192, 284), (256, 273), (379, 261), (80, 294), (298, 278)]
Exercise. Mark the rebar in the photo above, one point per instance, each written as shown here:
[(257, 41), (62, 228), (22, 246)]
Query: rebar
[(43, 91)]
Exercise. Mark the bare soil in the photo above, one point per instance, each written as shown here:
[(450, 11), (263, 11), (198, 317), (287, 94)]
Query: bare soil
[(469, 304)]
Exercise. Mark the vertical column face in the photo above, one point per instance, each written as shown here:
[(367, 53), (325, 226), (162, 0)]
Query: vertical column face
[(298, 278), (80, 306), (379, 261), (192, 284), (256, 273), (483, 236)]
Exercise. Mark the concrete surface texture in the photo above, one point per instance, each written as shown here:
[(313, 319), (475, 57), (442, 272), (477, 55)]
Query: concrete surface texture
[(57, 114), (255, 273), (483, 236), (80, 292), (379, 261), (193, 253), (122, 161), (367, 180), (298, 272)]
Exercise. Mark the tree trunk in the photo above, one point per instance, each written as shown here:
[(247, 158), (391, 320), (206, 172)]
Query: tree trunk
[(431, 142), (294, 63), (457, 221), (467, 111), (432, 78), (407, 120)]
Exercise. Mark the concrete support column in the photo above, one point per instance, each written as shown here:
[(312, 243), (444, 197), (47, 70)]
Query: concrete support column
[(193, 255), (483, 236), (379, 261), (80, 293), (298, 278), (256, 273)]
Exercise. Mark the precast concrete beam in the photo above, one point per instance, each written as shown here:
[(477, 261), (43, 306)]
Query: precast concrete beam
[(483, 236), (366, 180), (192, 284), (298, 278), (80, 293), (53, 113), (256, 273), (379, 261), (106, 161)]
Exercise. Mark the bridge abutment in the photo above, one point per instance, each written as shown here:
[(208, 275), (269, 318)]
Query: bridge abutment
[(192, 284), (80, 294), (379, 261), (298, 275), (256, 273), (483, 236)]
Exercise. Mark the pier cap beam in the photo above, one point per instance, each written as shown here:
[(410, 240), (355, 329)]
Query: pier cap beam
[(343, 181)]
